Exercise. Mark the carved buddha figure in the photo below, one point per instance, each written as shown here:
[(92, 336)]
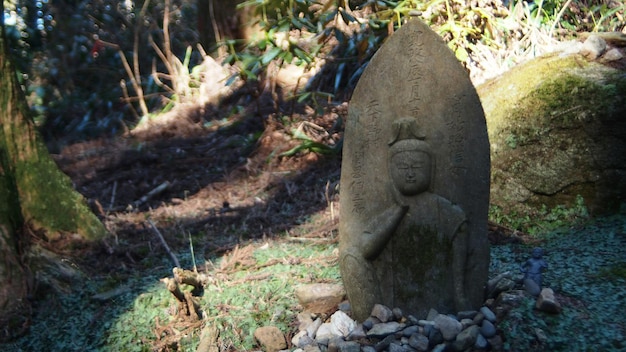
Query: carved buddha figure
[(413, 254)]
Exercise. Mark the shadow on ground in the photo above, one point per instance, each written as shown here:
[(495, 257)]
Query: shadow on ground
[(218, 186)]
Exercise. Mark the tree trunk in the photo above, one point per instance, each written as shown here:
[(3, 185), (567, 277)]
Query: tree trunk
[(34, 194)]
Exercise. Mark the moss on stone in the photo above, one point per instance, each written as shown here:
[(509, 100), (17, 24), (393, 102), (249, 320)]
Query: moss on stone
[(557, 130), (49, 201)]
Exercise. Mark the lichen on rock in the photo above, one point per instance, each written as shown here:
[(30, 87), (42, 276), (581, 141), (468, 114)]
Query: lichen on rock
[(557, 129)]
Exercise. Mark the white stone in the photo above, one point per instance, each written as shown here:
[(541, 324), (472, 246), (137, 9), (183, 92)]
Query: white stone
[(312, 328), (594, 47), (613, 55), (325, 333), (342, 323), (302, 339)]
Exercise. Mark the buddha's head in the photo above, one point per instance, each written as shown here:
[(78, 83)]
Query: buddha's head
[(410, 163)]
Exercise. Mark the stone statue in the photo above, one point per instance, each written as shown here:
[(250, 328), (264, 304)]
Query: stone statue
[(414, 182), (534, 266), (427, 230)]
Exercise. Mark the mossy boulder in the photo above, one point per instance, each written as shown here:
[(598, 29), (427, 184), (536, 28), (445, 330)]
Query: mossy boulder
[(557, 127)]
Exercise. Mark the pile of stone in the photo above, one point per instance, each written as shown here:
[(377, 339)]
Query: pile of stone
[(389, 330)]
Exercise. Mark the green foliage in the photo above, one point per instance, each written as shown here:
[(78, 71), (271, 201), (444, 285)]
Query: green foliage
[(72, 71), (586, 268), (278, 19), (560, 216), (308, 144), (545, 220), (69, 59), (257, 292), (264, 294)]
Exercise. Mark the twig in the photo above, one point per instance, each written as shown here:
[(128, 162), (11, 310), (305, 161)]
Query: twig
[(156, 74), (193, 257), (167, 248), (558, 17), (137, 79), (127, 98), (113, 196), (167, 46), (158, 189), (192, 306), (221, 50), (208, 339), (189, 277), (310, 239), (248, 278), (329, 203)]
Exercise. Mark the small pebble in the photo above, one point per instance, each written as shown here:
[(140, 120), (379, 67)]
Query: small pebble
[(489, 315), (481, 342), (357, 334), (440, 348), (383, 313), (541, 335), (412, 320), (466, 338), (413, 329), (370, 322), (594, 47), (382, 345), (395, 347), (349, 346), (467, 314), (478, 318), (435, 337), (613, 55), (397, 314), (419, 342), (448, 326), (425, 322), (487, 329), (465, 323), (547, 302), (432, 314)]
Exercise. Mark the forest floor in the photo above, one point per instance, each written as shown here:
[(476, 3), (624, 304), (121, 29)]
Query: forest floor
[(222, 195), (248, 195)]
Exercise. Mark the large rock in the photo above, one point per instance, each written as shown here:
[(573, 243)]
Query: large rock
[(414, 182), (320, 297), (557, 127)]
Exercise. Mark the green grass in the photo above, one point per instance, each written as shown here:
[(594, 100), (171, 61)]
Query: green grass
[(254, 286)]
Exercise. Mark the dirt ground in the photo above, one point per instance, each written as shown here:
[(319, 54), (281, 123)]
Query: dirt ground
[(194, 174)]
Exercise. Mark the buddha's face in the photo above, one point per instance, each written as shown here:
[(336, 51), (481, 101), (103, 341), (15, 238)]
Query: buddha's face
[(410, 172)]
